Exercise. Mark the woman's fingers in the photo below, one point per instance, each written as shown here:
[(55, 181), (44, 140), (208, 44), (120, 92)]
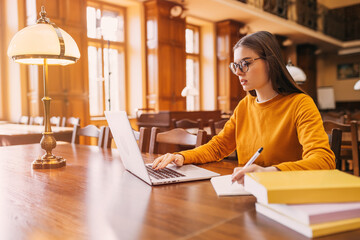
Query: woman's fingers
[(157, 161), (168, 158), (179, 160), (239, 173)]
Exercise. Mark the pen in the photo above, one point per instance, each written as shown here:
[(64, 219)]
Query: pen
[(252, 159)]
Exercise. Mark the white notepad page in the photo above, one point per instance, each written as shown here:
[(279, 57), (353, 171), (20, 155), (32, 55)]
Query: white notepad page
[(223, 186)]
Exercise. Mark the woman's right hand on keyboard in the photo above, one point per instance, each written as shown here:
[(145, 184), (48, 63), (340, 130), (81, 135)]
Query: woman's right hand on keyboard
[(162, 161)]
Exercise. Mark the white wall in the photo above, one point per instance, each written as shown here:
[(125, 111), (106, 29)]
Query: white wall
[(327, 76)]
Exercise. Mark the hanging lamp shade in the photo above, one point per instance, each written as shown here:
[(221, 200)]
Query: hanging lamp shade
[(357, 85), (296, 73), (44, 40)]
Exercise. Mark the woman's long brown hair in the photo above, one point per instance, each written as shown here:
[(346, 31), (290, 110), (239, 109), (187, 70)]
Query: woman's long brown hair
[(267, 47)]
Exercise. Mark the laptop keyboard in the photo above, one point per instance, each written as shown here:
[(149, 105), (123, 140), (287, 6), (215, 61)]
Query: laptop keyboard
[(163, 173)]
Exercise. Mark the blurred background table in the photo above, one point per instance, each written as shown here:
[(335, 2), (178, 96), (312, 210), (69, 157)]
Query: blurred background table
[(16, 134)]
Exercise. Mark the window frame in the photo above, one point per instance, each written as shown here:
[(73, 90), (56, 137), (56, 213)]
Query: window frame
[(103, 44), (196, 57)]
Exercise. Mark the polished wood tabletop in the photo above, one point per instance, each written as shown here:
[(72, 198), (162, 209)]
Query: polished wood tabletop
[(94, 197), (16, 134)]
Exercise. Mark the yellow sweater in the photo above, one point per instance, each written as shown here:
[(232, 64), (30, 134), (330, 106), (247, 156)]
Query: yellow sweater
[(289, 128)]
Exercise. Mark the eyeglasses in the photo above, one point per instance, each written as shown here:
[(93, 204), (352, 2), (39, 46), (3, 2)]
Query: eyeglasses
[(243, 65)]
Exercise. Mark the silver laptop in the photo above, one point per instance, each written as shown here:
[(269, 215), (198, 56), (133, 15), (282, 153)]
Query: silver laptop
[(131, 156)]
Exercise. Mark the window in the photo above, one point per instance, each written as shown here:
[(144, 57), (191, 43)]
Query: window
[(191, 91), (106, 57)]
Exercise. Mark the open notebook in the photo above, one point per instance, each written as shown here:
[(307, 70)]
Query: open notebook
[(223, 186)]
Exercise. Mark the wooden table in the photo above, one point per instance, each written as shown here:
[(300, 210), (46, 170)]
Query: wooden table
[(15, 134), (93, 197)]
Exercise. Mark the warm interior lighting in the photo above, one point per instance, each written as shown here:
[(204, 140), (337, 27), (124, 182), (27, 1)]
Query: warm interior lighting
[(43, 44), (296, 73)]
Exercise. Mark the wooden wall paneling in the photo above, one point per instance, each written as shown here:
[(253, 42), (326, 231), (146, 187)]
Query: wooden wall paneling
[(74, 12), (165, 50), (57, 106), (56, 75), (76, 107), (306, 60), (165, 87), (52, 8), (229, 91)]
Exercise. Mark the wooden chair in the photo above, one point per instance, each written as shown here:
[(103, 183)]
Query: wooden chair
[(355, 146), (187, 123), (36, 120), (349, 143), (89, 131), (143, 138), (23, 120), (177, 137), (216, 127), (335, 145), (55, 121), (70, 122)]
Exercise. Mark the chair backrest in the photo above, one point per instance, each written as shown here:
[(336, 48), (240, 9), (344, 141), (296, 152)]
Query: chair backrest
[(216, 127), (23, 120), (355, 146), (187, 123), (176, 136), (335, 145), (88, 131), (351, 129), (36, 120), (70, 122), (55, 121)]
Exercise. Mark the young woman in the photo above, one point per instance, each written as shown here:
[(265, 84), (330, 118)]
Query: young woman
[(275, 115)]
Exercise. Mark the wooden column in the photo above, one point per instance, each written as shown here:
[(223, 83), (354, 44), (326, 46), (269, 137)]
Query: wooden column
[(229, 90), (306, 60), (165, 57), (68, 85)]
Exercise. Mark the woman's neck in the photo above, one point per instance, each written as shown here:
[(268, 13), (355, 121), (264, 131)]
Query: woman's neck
[(263, 96)]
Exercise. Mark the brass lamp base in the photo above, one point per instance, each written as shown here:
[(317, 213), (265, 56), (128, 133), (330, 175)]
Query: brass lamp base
[(51, 162), (48, 160)]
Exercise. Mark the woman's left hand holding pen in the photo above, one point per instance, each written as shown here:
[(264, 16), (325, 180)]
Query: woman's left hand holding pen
[(239, 172)]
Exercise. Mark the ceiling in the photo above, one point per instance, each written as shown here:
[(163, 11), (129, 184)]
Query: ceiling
[(256, 20)]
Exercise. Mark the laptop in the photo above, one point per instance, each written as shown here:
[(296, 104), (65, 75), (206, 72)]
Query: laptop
[(131, 156)]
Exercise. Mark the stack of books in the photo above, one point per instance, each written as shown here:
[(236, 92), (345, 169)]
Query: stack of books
[(313, 203)]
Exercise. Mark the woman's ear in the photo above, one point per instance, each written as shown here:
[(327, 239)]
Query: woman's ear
[(268, 69)]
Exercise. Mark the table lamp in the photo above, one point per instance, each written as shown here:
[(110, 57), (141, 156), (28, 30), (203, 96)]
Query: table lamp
[(357, 85), (44, 44), (296, 73)]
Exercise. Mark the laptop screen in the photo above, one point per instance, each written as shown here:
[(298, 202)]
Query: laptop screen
[(126, 144)]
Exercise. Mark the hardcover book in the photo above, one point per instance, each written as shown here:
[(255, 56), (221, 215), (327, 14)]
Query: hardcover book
[(297, 187), (318, 213), (312, 230)]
